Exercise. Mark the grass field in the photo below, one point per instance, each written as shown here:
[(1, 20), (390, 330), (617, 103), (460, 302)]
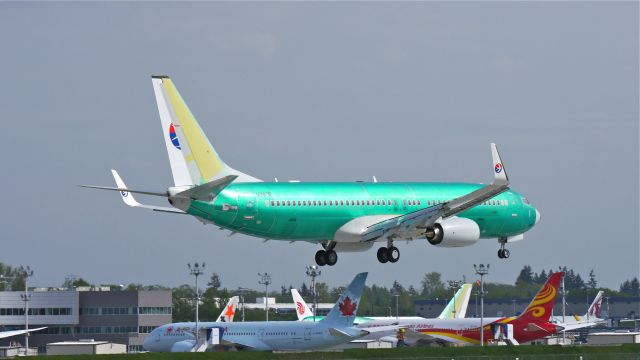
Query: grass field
[(623, 352)]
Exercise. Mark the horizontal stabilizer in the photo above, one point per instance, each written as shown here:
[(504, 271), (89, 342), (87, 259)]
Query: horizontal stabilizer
[(206, 192), (127, 195), (339, 333), (6, 334)]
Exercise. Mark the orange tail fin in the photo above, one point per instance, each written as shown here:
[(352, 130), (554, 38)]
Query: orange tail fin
[(540, 308)]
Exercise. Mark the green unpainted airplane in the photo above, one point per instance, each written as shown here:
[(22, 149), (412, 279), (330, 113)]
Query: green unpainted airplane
[(339, 216)]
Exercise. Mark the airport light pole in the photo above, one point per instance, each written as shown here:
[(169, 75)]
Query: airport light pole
[(26, 274), (313, 272), (265, 279), (397, 295), (454, 285), (197, 270), (481, 270), (564, 293), (243, 292)]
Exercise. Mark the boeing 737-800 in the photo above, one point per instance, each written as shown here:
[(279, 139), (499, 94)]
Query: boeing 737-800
[(338, 216)]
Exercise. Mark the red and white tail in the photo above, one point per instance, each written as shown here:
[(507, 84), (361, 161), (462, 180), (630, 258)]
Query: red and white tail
[(594, 309)]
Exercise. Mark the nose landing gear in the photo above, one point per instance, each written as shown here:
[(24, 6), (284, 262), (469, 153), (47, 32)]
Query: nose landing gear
[(503, 253)]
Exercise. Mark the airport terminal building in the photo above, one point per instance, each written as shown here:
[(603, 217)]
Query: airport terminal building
[(123, 317)]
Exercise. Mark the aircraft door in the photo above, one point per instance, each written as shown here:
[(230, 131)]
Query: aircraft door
[(307, 334)]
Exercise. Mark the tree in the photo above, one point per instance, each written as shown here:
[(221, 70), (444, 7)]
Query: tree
[(214, 282), (432, 284), (304, 290), (525, 277), (630, 287), (396, 288), (183, 303), (592, 283)]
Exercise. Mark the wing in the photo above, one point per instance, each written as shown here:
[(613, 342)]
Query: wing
[(404, 226), (6, 334)]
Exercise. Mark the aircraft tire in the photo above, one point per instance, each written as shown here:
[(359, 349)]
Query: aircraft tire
[(505, 254), (383, 256), (501, 254), (393, 254), (321, 258), (331, 257)]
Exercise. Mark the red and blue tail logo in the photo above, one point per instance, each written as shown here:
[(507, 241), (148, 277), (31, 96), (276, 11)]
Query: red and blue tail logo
[(498, 168), (174, 137)]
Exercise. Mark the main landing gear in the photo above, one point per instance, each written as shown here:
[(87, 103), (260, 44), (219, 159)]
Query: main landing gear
[(503, 253), (327, 256), (388, 254)]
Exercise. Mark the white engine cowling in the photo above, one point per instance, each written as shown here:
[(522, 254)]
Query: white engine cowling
[(183, 346), (453, 232)]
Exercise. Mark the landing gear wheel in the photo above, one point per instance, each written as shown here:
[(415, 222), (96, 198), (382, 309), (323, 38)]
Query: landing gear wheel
[(505, 253), (393, 254), (331, 257), (321, 258), (499, 254), (383, 255)]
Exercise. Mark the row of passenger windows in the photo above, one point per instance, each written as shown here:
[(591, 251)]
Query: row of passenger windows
[(35, 311), (378, 202)]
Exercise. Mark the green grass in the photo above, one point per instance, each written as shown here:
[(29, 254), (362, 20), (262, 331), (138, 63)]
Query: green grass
[(622, 352)]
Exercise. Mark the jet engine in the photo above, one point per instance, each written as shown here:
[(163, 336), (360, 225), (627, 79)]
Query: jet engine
[(183, 346), (453, 232)]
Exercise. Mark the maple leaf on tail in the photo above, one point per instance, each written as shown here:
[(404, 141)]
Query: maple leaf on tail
[(347, 308)]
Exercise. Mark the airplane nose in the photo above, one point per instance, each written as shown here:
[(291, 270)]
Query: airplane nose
[(537, 216)]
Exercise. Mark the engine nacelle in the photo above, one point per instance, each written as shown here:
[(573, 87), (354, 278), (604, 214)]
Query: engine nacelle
[(183, 346), (453, 232)]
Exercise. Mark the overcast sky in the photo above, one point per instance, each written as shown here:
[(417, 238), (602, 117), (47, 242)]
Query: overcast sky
[(318, 92)]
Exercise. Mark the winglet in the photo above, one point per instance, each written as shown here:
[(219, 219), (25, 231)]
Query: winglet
[(499, 171), (126, 196)]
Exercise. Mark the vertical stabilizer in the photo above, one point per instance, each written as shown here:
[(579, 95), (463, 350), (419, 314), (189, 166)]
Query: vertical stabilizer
[(594, 310), (302, 310), (183, 133), (460, 301), (229, 311), (541, 307), (181, 176), (345, 310)]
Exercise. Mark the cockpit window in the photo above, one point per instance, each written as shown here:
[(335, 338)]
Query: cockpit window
[(526, 201)]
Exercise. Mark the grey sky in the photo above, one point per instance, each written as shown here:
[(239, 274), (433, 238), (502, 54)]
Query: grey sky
[(318, 92)]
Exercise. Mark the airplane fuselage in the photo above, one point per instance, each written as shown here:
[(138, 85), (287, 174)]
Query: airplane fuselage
[(315, 211), (263, 336)]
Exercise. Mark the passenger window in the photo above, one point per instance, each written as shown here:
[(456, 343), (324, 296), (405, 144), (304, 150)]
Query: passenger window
[(288, 203), (357, 202), (418, 202), (341, 202)]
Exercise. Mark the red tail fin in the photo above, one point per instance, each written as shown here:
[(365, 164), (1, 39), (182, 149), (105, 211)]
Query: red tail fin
[(540, 308)]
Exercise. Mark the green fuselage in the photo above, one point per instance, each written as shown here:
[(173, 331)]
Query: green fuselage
[(314, 211)]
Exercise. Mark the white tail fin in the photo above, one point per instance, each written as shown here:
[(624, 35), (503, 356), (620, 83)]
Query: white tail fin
[(179, 169), (302, 310), (229, 310), (184, 138), (459, 302), (596, 305), (345, 310)]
